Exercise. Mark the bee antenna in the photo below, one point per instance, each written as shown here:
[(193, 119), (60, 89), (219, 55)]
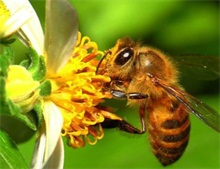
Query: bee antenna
[(106, 53)]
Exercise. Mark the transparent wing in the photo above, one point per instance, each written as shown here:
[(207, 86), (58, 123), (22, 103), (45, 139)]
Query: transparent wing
[(198, 67), (204, 112)]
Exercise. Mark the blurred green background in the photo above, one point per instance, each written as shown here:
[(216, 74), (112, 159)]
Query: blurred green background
[(175, 27)]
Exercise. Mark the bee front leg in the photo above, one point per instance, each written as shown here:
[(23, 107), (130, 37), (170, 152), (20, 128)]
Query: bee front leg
[(125, 126)]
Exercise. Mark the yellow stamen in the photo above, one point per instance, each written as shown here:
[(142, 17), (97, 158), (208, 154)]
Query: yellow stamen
[(77, 90)]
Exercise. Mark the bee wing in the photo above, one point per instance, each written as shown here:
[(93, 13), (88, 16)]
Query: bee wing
[(199, 67), (205, 113)]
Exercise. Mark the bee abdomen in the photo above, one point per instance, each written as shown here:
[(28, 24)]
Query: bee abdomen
[(169, 135)]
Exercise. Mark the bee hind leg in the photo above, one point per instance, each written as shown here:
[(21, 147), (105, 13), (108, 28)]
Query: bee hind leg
[(125, 126), (122, 125)]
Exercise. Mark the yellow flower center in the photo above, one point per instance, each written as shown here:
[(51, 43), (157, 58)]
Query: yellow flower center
[(77, 90)]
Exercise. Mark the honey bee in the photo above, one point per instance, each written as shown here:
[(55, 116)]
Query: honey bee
[(148, 78)]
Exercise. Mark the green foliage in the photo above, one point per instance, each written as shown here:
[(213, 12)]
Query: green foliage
[(45, 88), (35, 64), (11, 158), (19, 126), (6, 58)]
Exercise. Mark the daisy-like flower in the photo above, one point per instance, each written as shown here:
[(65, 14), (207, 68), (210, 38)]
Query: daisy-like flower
[(12, 16), (72, 107)]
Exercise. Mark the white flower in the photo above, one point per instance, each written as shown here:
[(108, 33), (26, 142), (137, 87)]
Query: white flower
[(60, 38), (12, 16)]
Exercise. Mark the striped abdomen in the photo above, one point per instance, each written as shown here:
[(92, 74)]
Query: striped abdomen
[(169, 128)]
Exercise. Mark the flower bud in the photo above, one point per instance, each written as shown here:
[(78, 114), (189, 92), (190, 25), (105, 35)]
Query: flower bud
[(21, 88)]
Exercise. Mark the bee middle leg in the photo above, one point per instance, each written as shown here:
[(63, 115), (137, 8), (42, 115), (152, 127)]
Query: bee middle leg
[(125, 126), (117, 89)]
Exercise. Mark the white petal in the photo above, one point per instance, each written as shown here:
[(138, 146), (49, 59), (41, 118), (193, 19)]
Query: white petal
[(34, 32), (16, 20), (60, 34), (39, 150), (56, 160), (49, 144), (31, 32), (54, 122)]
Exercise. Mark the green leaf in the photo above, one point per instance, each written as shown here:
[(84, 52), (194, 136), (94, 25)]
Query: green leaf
[(3, 66), (40, 74), (7, 52), (38, 111), (25, 63), (35, 64), (16, 128), (45, 88), (34, 61), (11, 157), (20, 127), (6, 58)]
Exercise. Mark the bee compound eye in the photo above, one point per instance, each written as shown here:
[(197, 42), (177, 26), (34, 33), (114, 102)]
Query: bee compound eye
[(124, 56)]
